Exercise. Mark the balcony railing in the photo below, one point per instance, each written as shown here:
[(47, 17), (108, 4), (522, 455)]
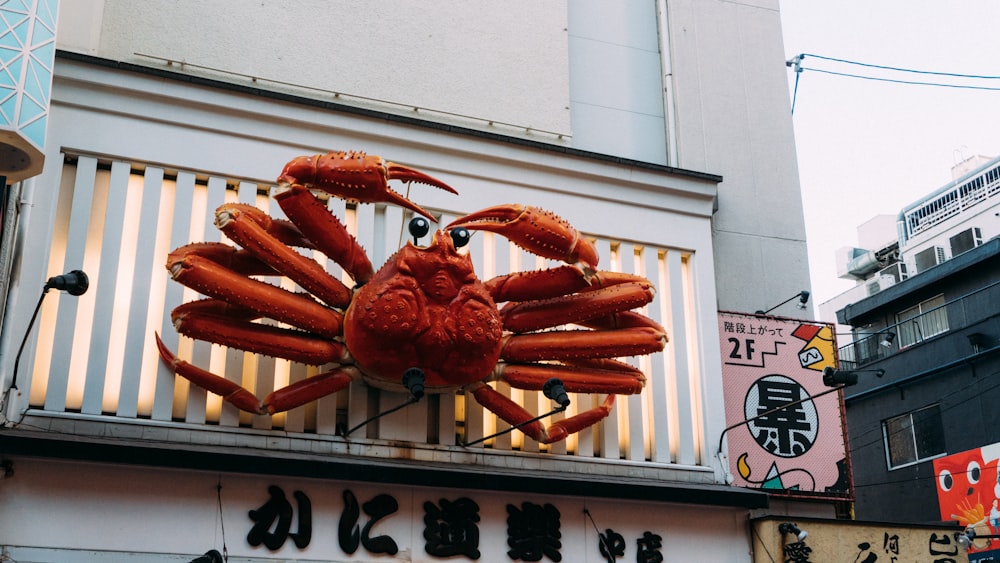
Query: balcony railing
[(956, 314), (95, 358)]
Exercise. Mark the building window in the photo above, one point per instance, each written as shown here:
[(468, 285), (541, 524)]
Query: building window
[(922, 321), (913, 437)]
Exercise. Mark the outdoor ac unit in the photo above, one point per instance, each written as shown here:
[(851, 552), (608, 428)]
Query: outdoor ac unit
[(928, 258), (965, 241), (896, 271)]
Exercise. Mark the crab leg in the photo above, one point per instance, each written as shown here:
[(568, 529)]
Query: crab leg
[(515, 414), (357, 176), (209, 278), (611, 377), (536, 230), (551, 282), (216, 321), (230, 391), (310, 389), (287, 398), (325, 231), (248, 227), (534, 315), (582, 344)]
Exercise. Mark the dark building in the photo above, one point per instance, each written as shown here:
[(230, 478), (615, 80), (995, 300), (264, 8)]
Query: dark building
[(929, 367)]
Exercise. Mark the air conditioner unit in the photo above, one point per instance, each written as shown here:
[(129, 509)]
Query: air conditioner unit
[(965, 241), (928, 258), (873, 287), (896, 271)]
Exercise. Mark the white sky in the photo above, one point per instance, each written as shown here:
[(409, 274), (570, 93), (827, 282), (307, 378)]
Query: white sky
[(867, 148)]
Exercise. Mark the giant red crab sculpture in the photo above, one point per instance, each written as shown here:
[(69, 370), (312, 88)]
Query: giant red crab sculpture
[(425, 308)]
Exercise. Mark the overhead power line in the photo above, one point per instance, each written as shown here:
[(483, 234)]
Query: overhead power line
[(795, 63), (897, 69)]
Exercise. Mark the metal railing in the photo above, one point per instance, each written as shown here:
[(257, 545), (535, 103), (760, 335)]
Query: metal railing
[(956, 314)]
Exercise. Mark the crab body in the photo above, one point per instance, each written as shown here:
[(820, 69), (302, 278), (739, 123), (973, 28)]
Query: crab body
[(430, 309), (425, 309)]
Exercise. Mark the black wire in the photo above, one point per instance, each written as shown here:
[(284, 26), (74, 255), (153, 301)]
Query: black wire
[(897, 69)]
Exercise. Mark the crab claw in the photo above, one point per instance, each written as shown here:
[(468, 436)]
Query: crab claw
[(357, 176), (535, 230)]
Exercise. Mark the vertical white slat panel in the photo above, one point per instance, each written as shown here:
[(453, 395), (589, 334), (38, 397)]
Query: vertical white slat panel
[(445, 408), (326, 407), (220, 360), (287, 372), (104, 288), (502, 253), (191, 401), (479, 245), (682, 367), (695, 368), (656, 378), (262, 366), (610, 428), (357, 410), (34, 376), (160, 390), (545, 404), (637, 416), (76, 241), (132, 385), (163, 403), (526, 261)]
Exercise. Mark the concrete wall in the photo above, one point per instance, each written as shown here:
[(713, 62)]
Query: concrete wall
[(697, 84)]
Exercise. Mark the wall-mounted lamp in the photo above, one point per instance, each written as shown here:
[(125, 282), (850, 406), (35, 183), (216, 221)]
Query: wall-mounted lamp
[(211, 556), (802, 296), (967, 536), (413, 379), (835, 377), (887, 339), (786, 528), (74, 283)]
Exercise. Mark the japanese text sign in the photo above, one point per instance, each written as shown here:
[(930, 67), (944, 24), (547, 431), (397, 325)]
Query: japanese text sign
[(782, 433)]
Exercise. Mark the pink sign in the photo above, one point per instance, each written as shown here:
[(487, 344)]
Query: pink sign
[(784, 426)]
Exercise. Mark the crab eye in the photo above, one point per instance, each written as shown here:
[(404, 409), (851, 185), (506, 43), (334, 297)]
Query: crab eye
[(419, 227), (460, 237)]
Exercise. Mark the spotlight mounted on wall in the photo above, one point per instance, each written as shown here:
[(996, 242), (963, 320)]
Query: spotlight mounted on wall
[(786, 528), (835, 377), (802, 296), (75, 283), (967, 536), (887, 339)]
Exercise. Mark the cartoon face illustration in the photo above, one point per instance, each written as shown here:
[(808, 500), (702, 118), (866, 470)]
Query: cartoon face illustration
[(967, 486)]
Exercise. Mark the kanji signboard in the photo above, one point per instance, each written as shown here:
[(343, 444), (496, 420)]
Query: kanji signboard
[(781, 437)]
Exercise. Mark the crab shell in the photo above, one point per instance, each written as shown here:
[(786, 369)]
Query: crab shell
[(425, 307)]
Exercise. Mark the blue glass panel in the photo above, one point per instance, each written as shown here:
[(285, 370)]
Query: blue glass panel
[(7, 108), (46, 12), (21, 29), (14, 67), (30, 109), (8, 39), (45, 54), (6, 79), (41, 34), (35, 132), (32, 84)]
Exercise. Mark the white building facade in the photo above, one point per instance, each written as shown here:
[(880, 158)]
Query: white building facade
[(608, 115)]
